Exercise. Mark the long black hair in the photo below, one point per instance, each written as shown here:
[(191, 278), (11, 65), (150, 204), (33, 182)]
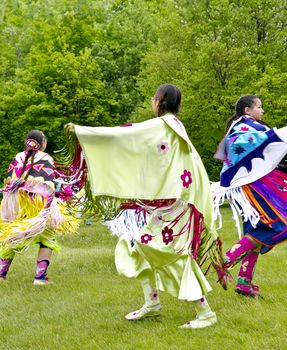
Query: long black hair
[(33, 142), (169, 98), (242, 103)]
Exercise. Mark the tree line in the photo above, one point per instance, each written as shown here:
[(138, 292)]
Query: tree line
[(98, 62)]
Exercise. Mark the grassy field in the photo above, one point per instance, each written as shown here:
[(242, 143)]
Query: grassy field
[(85, 307)]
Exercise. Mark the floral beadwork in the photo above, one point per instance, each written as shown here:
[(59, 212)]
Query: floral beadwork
[(163, 147), (32, 144), (154, 295), (167, 235), (145, 238), (186, 178)]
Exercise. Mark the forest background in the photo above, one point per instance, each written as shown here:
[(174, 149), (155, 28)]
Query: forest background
[(99, 62)]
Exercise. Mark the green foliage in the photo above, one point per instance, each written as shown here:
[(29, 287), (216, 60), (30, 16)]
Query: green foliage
[(216, 51), (98, 62), (68, 61)]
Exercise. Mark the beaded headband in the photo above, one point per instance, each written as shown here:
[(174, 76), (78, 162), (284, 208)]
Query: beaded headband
[(32, 144)]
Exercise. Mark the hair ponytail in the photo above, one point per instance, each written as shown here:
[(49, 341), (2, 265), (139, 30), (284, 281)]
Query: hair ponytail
[(243, 102), (231, 120), (169, 98), (28, 155)]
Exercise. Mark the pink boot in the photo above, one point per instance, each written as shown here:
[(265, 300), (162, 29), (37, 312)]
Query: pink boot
[(238, 251), (232, 256), (41, 273), (4, 268), (244, 283)]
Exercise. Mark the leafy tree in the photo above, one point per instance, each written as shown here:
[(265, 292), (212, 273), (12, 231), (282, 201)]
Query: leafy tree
[(98, 62), (69, 61), (215, 51)]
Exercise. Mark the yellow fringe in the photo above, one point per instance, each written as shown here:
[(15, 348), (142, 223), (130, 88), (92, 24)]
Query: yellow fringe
[(31, 207)]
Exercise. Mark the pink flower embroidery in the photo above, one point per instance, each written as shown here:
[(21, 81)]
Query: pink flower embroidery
[(162, 147), (202, 301), (244, 128), (251, 139), (146, 238), (167, 236), (186, 178), (153, 295)]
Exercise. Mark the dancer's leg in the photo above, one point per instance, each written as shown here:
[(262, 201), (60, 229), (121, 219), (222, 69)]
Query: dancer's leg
[(43, 261), (205, 317), (151, 306), (6, 258), (238, 251), (244, 283)]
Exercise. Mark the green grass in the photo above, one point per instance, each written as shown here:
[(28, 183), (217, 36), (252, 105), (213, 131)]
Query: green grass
[(85, 307)]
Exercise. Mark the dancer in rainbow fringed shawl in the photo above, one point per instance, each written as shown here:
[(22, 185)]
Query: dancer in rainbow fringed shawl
[(254, 180), (30, 212), (150, 187)]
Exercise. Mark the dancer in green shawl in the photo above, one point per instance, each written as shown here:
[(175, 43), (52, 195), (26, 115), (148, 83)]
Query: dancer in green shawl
[(151, 189)]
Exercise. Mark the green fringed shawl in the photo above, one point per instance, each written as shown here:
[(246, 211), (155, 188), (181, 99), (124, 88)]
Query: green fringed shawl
[(146, 161)]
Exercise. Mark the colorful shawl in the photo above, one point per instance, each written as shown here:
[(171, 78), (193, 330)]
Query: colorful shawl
[(249, 152), (150, 168), (29, 206)]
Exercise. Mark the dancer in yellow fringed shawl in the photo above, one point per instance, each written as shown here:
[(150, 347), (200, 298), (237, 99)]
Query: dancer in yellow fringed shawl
[(30, 213), (151, 189)]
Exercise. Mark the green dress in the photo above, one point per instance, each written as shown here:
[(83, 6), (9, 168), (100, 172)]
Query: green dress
[(151, 189)]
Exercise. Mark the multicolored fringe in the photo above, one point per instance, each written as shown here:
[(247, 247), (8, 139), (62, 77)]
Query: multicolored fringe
[(71, 170), (168, 214), (31, 216), (214, 258), (272, 188)]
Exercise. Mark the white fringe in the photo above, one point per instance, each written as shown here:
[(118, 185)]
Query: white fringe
[(127, 224), (9, 206), (239, 204)]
